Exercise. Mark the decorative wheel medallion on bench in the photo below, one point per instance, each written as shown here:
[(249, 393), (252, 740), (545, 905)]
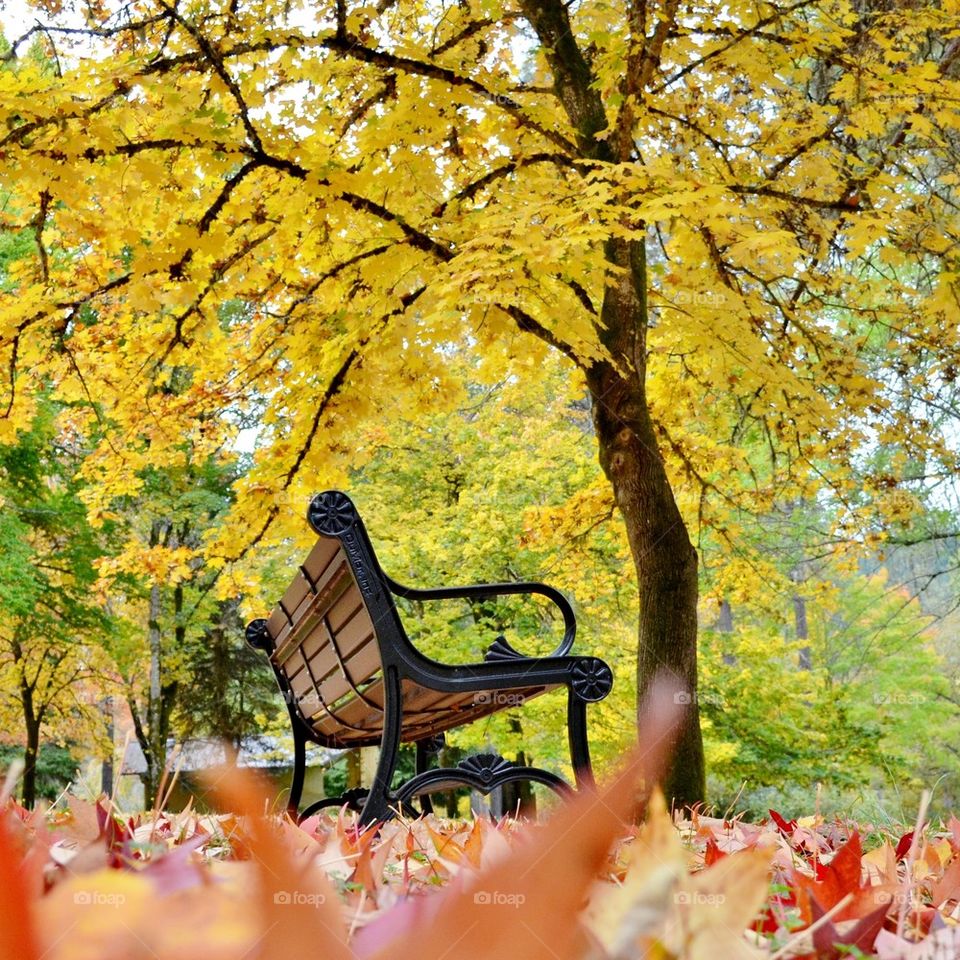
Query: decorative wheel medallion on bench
[(351, 677)]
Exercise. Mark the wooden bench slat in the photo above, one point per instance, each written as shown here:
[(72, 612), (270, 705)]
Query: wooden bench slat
[(332, 583), (299, 679), (315, 643), (354, 634), (432, 710), (351, 718), (358, 650), (320, 555), (360, 667), (356, 713), (432, 715), (422, 700), (346, 607), (317, 699), (318, 560), (344, 603), (425, 713)]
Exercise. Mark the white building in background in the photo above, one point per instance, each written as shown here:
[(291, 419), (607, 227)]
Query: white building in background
[(271, 756)]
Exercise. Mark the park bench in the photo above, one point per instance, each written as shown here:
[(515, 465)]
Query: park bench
[(351, 677)]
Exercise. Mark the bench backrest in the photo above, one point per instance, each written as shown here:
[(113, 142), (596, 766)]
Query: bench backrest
[(322, 639)]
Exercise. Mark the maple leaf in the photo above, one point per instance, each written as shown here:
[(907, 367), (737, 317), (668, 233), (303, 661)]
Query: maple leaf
[(903, 845), (786, 827), (658, 906), (297, 905), (712, 853), (947, 888), (635, 911), (842, 877), (831, 943), (718, 904)]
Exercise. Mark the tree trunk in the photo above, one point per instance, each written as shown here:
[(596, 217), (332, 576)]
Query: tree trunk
[(664, 558), (31, 754), (353, 769), (800, 623), (725, 628), (106, 768), (725, 618), (32, 718), (799, 576), (518, 799), (156, 756)]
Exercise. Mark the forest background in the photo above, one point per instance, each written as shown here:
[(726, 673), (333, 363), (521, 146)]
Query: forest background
[(441, 256)]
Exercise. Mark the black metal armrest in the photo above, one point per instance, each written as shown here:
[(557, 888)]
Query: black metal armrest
[(482, 591)]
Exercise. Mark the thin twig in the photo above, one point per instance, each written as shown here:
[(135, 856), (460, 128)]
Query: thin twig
[(911, 856), (829, 915)]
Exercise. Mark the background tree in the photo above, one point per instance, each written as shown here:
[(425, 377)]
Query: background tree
[(185, 667), (876, 682), (148, 630), (677, 201), (53, 628), (232, 688)]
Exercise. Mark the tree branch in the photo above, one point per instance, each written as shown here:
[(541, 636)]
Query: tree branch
[(218, 65), (572, 76), (529, 324), (738, 38), (498, 173), (39, 224), (329, 395), (352, 47), (471, 30)]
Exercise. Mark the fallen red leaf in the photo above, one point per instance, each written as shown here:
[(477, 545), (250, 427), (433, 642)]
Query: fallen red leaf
[(830, 944), (712, 853), (786, 827), (948, 886), (17, 938), (903, 845)]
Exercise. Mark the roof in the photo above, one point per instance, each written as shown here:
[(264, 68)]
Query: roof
[(261, 752)]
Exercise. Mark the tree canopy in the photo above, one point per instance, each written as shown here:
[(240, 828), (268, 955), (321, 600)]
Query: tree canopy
[(737, 225)]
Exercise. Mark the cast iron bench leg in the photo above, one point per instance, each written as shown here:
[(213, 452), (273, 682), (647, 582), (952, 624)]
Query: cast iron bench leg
[(378, 802), (577, 735), (299, 769)]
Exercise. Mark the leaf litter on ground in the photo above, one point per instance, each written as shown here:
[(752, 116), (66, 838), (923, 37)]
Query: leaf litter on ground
[(84, 881)]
